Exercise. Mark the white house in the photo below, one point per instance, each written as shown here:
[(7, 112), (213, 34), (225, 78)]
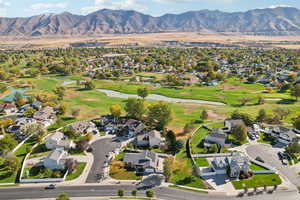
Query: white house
[(57, 140), (152, 139), (56, 160)]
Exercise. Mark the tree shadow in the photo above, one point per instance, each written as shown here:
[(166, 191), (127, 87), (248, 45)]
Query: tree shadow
[(286, 101)]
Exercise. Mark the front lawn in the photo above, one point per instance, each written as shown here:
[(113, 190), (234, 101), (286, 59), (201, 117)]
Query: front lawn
[(77, 172), (259, 180), (217, 125), (118, 171), (201, 162), (196, 141), (40, 172), (182, 172), (255, 167)]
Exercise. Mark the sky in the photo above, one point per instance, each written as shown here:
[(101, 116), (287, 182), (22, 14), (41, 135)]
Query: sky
[(25, 8)]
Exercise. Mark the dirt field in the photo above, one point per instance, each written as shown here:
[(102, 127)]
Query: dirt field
[(148, 40)]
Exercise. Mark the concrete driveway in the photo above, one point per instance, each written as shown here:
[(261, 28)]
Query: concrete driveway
[(269, 155), (101, 149)]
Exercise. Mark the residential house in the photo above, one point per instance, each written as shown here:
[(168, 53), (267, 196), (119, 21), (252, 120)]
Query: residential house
[(231, 124), (145, 162), (217, 136), (37, 105), (8, 108), (45, 116), (151, 139), (56, 160), (233, 165), (84, 127), (283, 135), (57, 140), (134, 127)]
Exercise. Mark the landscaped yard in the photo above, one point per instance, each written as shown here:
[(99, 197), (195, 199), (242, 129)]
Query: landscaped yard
[(217, 125), (77, 172), (40, 172), (256, 167), (258, 181), (39, 150), (118, 171), (264, 138), (201, 162), (182, 173), (196, 141)]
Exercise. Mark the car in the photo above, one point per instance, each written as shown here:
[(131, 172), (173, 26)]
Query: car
[(280, 155), (259, 159), (50, 187)]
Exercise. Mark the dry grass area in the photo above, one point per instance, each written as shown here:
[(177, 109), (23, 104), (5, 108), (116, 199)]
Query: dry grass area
[(145, 39)]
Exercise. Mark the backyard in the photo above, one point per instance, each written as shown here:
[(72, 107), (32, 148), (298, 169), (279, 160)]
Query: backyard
[(77, 172)]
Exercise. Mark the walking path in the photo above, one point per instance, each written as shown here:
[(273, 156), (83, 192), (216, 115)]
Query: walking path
[(157, 97)]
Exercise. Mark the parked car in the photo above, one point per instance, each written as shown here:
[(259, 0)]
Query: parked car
[(50, 187)]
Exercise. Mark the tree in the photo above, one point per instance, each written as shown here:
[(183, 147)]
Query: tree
[(30, 112), (63, 196), (187, 128), (35, 129), (240, 133), (142, 92), (171, 140), (244, 100), (75, 112), (150, 193), (62, 109), (168, 163), (262, 115), (135, 108), (204, 115), (214, 148), (7, 143), (19, 100), (82, 145), (296, 122), (243, 116), (60, 92), (12, 162), (293, 147), (159, 115), (120, 193), (296, 91), (89, 85), (134, 193), (281, 112), (115, 110), (261, 100)]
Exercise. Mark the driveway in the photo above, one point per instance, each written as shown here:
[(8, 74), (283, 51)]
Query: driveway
[(101, 149), (269, 155)]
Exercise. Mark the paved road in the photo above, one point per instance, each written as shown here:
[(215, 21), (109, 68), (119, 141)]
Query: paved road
[(269, 155), (102, 191), (101, 148)]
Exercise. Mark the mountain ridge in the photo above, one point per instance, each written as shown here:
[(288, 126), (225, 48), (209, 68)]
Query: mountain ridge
[(268, 21)]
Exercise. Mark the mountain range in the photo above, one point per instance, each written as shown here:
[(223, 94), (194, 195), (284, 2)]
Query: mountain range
[(269, 21)]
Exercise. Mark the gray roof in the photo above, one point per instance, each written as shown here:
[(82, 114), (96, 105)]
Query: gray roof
[(218, 133), (57, 154), (144, 158), (56, 136)]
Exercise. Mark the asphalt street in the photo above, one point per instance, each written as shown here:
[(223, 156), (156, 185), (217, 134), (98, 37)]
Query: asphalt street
[(269, 155), (104, 191), (101, 149)]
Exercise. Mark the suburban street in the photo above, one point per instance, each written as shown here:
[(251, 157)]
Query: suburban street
[(101, 149), (103, 191), (269, 155)]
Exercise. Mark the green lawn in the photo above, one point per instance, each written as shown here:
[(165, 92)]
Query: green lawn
[(78, 171), (182, 173), (256, 167), (196, 141), (201, 162), (258, 181), (64, 121), (217, 125)]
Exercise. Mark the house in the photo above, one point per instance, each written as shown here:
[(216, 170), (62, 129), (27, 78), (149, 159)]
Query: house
[(145, 162), (84, 127), (57, 140), (46, 116), (8, 108), (151, 139), (233, 165), (134, 127), (37, 105), (56, 160), (283, 135), (217, 136), (232, 123)]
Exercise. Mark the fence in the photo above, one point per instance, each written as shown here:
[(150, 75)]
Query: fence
[(19, 145)]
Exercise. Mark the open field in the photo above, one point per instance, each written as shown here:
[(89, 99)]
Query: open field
[(148, 39)]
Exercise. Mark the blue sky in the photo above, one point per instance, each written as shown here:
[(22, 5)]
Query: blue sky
[(17, 8)]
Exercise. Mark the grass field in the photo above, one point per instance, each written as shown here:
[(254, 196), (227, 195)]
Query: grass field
[(78, 171), (258, 181), (201, 162), (256, 167)]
